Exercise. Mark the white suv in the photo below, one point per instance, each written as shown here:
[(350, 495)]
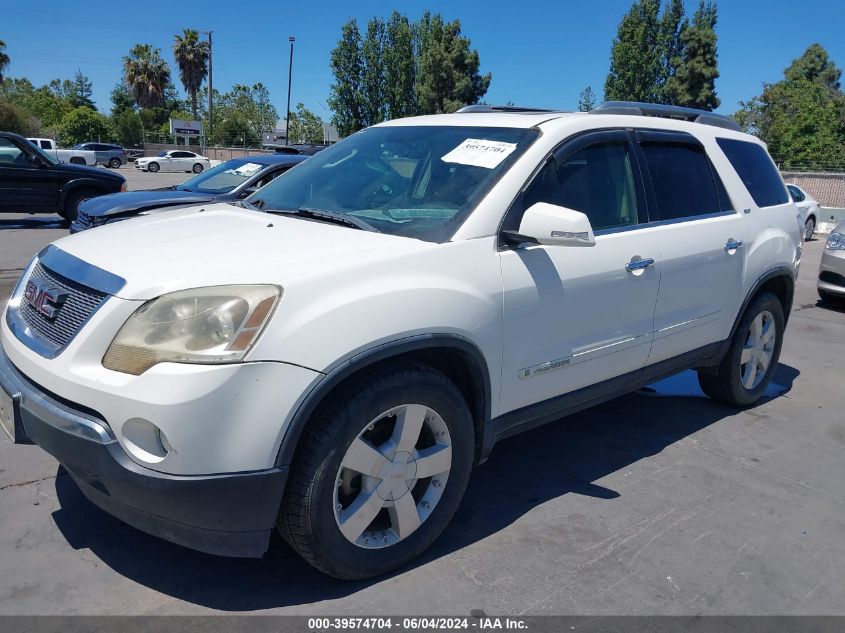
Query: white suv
[(334, 355)]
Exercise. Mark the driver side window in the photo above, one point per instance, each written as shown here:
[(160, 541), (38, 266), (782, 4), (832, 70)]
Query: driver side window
[(11, 154), (597, 180)]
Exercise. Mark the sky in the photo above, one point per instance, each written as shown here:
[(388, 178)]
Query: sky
[(541, 53)]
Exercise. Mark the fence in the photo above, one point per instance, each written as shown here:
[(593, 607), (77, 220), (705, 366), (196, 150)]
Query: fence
[(828, 188), (214, 153)]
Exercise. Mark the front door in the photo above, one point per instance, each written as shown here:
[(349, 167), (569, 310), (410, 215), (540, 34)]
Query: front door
[(575, 316), (25, 185)]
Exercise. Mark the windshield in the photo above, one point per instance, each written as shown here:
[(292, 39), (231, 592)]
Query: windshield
[(223, 178), (414, 181), (79, 146), (162, 153)]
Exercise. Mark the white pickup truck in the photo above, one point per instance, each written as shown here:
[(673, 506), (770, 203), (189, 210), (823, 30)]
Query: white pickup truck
[(75, 156)]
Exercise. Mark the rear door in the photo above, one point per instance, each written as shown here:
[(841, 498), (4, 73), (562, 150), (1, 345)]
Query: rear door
[(575, 316), (702, 244)]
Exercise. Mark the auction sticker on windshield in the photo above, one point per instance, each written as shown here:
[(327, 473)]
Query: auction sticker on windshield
[(480, 153), (247, 169)]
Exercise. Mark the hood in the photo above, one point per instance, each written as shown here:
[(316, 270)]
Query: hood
[(222, 244), (81, 171), (117, 203)]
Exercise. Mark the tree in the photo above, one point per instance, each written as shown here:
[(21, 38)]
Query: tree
[(635, 56), (84, 124), (399, 67), (45, 105), (305, 126), (121, 99), (192, 59), (346, 94), (128, 128), (78, 91), (587, 100), (447, 76), (672, 27), (4, 59), (373, 73), (815, 65), (694, 83), (146, 74), (244, 111), (13, 118)]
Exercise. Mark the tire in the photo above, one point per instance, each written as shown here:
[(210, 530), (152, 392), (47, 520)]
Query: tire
[(74, 199), (114, 163), (809, 228), (734, 384), (153, 167), (197, 169), (321, 489)]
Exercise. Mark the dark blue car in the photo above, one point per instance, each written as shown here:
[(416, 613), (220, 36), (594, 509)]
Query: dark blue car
[(230, 181)]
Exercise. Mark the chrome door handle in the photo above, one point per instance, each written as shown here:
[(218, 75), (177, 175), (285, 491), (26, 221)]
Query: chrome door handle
[(732, 245), (639, 264)]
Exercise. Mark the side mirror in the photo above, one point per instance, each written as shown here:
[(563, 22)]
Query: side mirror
[(552, 225)]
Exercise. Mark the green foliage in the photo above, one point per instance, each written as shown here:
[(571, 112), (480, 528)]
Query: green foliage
[(78, 91), (4, 59), (347, 64), (400, 69), (234, 130), (635, 56), (45, 106), (815, 65), (121, 100), (242, 110), (587, 100), (694, 83), (128, 128), (305, 126), (192, 59), (84, 124), (13, 118), (672, 26), (146, 74)]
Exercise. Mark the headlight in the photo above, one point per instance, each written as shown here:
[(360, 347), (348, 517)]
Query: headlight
[(835, 242), (210, 325)]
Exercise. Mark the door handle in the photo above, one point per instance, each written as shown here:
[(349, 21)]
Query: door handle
[(638, 263), (732, 245)]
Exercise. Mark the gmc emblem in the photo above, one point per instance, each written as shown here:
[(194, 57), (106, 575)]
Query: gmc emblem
[(46, 300)]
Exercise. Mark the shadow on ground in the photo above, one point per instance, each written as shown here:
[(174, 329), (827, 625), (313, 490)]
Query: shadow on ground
[(41, 221), (525, 471)]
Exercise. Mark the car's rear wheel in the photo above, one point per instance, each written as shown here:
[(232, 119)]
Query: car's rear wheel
[(197, 168), (380, 472), (114, 163), (752, 357), (809, 228), (153, 167), (77, 161), (74, 199)]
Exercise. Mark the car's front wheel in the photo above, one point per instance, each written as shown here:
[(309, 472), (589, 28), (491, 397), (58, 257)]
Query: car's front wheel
[(73, 201), (197, 168), (114, 163), (752, 357), (809, 229), (381, 470), (153, 167)]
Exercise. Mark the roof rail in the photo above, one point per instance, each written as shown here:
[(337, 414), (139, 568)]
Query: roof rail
[(483, 107), (636, 108)]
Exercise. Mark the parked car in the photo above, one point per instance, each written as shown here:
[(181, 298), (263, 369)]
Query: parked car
[(73, 156), (34, 181), (299, 148), (831, 283), (106, 153), (808, 210), (337, 362), (227, 182), (174, 160)]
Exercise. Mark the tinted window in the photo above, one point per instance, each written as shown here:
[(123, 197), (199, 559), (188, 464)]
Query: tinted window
[(46, 145), (683, 181), (597, 180), (11, 154), (756, 170), (797, 196)]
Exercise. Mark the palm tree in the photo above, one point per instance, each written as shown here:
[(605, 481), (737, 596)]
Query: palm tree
[(146, 74), (4, 59), (192, 58)]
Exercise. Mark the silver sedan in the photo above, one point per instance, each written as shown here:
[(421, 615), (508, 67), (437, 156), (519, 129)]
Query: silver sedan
[(831, 283)]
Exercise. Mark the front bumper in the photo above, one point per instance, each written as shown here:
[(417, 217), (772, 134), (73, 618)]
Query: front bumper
[(832, 272), (227, 515)]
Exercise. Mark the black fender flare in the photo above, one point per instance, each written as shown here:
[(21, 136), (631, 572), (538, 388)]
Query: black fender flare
[(83, 183), (372, 355)]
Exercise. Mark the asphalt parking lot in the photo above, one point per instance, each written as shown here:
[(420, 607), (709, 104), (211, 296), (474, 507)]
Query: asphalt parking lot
[(661, 502)]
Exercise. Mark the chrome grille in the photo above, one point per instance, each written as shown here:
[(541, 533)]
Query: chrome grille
[(82, 302)]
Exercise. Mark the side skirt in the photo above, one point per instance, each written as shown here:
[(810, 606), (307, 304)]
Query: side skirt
[(535, 415)]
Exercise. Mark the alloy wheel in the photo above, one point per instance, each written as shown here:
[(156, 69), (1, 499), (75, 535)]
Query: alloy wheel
[(758, 350)]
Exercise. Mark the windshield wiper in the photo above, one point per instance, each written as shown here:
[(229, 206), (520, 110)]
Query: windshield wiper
[(327, 216), (249, 205)]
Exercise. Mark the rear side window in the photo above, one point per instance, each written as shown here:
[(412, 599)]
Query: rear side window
[(756, 170), (683, 181), (797, 196)]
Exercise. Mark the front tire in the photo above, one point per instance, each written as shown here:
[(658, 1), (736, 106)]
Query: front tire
[(153, 167), (748, 366), (72, 203), (809, 229), (114, 163), (380, 472), (197, 168)]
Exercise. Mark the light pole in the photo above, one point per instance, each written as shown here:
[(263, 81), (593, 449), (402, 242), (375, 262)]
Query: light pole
[(291, 39), (210, 85)]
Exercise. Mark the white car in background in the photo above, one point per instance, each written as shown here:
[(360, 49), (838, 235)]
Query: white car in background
[(808, 210), (173, 160)]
